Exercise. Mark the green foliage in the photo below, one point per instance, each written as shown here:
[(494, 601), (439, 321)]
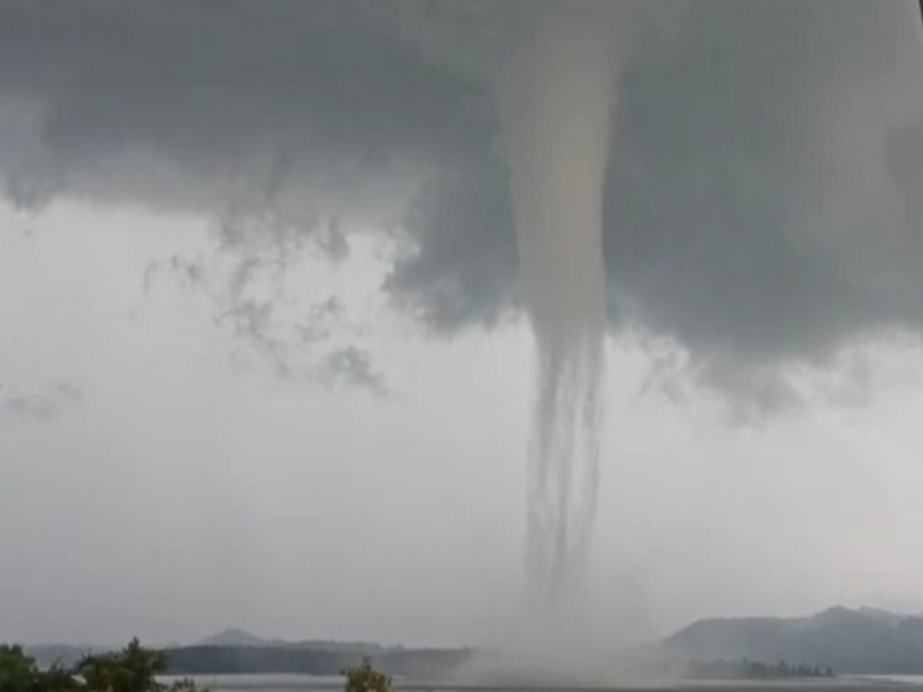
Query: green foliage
[(364, 678), (133, 669), (56, 679), (17, 670)]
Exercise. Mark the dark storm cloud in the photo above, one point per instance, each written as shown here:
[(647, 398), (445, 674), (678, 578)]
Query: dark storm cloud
[(762, 203), (125, 96), (463, 266), (752, 193)]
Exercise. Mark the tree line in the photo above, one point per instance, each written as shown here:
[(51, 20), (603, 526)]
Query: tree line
[(753, 670), (133, 669), (215, 659)]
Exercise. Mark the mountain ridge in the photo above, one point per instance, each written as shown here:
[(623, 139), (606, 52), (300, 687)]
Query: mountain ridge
[(860, 641), (239, 638), (850, 640)]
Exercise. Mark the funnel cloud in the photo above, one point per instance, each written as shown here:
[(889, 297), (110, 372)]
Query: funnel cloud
[(560, 93)]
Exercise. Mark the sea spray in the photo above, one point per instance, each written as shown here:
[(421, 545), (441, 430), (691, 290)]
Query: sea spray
[(558, 108)]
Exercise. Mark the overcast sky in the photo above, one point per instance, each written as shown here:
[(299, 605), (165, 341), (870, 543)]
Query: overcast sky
[(261, 358)]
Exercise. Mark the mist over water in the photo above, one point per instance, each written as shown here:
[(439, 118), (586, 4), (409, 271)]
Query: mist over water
[(559, 101)]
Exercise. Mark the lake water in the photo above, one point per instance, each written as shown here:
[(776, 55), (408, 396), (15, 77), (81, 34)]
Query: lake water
[(313, 683)]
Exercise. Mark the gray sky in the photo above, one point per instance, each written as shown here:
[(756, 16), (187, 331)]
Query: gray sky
[(261, 360)]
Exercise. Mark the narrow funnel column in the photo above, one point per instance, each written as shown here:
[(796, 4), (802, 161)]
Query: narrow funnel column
[(558, 119)]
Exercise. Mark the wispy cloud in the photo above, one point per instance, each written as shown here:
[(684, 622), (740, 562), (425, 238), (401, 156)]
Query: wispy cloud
[(44, 404)]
